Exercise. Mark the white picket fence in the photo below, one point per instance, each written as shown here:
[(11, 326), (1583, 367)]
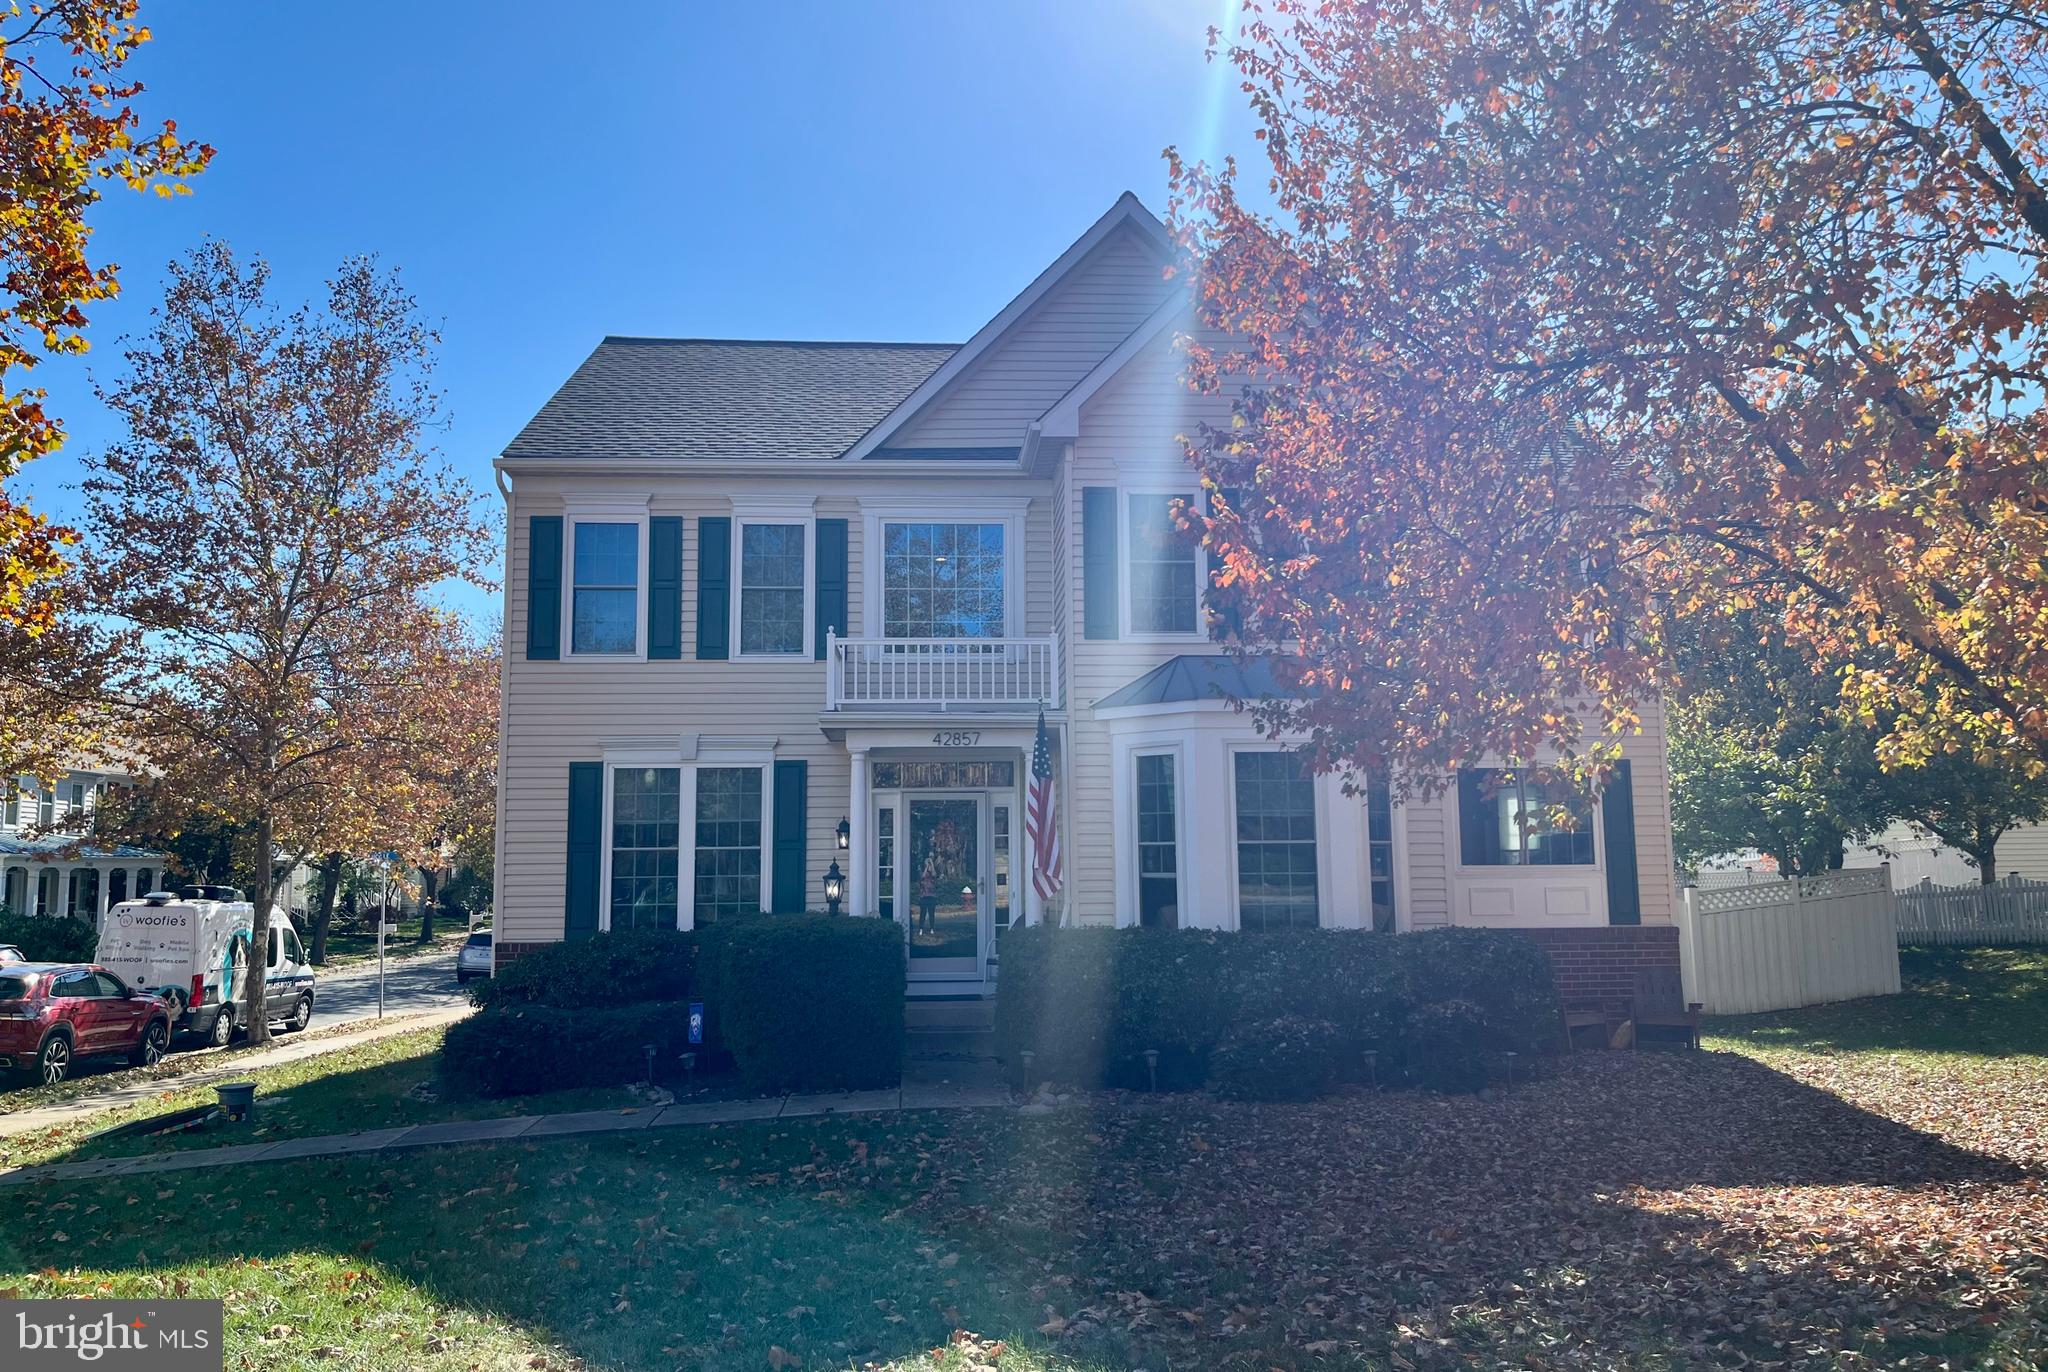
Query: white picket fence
[(1779, 945), (2009, 912)]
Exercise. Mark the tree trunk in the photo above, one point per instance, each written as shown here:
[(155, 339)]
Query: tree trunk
[(1987, 865), (430, 883), (323, 913), (255, 1013)]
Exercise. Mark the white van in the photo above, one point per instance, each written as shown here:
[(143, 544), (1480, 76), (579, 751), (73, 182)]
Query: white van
[(192, 947)]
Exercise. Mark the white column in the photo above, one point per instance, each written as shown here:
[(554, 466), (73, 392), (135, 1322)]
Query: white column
[(104, 888), (33, 899), (860, 858)]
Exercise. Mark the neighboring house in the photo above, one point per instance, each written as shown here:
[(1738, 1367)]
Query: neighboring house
[(773, 606), (49, 864)]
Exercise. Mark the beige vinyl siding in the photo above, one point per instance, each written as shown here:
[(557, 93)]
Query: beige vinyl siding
[(1129, 435), (567, 711), (1020, 377)]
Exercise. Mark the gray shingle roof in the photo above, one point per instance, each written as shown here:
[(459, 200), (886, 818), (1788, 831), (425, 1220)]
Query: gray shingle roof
[(725, 398), (1198, 676)]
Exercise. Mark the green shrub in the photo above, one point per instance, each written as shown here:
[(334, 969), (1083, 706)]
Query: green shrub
[(1087, 1003), (810, 1002), (523, 1049), (622, 968), (49, 938), (1290, 1057)]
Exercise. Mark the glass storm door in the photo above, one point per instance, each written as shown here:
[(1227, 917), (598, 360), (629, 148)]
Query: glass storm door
[(942, 897)]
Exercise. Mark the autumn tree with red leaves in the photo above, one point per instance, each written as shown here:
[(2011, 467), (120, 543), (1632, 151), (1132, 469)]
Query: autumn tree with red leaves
[(266, 538), (1554, 320)]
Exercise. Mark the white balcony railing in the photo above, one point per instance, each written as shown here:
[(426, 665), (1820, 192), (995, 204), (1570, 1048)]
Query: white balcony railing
[(941, 673)]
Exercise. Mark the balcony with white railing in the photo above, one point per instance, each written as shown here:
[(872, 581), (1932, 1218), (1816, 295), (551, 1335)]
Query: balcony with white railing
[(916, 675)]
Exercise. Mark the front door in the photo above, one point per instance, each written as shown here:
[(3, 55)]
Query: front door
[(943, 896)]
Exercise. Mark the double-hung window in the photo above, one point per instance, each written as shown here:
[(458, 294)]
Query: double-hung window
[(646, 847), (728, 859), (604, 589), (1512, 819), (1163, 566), (46, 805), (1275, 807), (12, 815), (772, 585), (1158, 842), (944, 579)]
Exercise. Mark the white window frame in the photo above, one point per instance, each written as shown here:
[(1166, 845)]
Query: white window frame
[(688, 758), (1522, 871), (744, 515), (576, 514), (1200, 633), (1007, 511), (1323, 873), (1130, 873)]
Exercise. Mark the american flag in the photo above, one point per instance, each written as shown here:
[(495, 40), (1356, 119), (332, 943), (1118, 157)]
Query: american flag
[(1042, 820)]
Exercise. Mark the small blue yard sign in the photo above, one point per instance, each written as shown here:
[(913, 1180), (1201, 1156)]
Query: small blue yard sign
[(696, 1021)]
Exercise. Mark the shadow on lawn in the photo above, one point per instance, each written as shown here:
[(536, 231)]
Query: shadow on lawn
[(1627, 1209)]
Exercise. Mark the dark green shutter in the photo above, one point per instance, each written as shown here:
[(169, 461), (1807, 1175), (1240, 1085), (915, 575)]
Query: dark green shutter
[(714, 587), (1618, 832), (829, 610), (1098, 561), (665, 588), (788, 895), (544, 587), (585, 858)]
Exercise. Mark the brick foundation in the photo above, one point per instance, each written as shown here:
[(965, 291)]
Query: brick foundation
[(508, 952), (1596, 965)]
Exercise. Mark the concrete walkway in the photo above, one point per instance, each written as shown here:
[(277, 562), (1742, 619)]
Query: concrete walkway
[(232, 1063), (911, 1095)]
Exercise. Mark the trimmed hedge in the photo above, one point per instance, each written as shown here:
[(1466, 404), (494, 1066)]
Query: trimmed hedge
[(807, 1002), (1087, 1003), (49, 938), (521, 1050), (811, 1002), (623, 968)]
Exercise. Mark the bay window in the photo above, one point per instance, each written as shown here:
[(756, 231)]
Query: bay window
[(1275, 808), (1158, 842)]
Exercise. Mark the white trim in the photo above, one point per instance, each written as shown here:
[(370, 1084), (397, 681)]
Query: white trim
[(575, 513), (809, 523), (1126, 210), (1009, 511), (1124, 794), (1063, 420), (1198, 634)]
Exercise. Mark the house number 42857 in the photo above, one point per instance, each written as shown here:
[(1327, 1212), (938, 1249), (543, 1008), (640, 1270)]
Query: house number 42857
[(957, 738)]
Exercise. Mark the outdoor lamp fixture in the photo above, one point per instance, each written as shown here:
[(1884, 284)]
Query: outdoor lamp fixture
[(835, 887), (845, 832)]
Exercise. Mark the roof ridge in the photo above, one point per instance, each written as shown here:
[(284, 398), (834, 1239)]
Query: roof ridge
[(775, 342)]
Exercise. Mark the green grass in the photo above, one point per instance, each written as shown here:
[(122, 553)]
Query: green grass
[(1973, 1002), (357, 945), (1834, 1189), (382, 1084)]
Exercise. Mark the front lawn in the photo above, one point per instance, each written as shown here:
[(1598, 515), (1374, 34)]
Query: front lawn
[(1629, 1211), (357, 943), (377, 1085)]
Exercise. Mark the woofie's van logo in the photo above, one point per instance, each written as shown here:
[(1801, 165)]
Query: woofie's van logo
[(163, 1336)]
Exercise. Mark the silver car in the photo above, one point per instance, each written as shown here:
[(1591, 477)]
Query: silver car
[(475, 958)]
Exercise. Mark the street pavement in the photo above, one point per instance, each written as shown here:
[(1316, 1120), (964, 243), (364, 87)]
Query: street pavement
[(410, 986)]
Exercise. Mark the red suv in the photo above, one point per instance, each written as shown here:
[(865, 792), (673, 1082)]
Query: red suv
[(54, 1013)]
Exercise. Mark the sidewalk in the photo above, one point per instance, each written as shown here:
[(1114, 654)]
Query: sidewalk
[(912, 1095), (237, 1064)]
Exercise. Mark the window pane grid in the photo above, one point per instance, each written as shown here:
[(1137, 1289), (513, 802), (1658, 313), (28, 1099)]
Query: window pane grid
[(942, 580), (604, 598), (772, 588), (1505, 821), (1276, 841), (1158, 843), (728, 843), (646, 847)]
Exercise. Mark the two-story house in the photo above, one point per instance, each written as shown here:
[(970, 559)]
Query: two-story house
[(49, 861), (776, 606)]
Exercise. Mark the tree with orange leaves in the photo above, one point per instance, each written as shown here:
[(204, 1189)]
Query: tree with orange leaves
[(1557, 320), (267, 539), (66, 127)]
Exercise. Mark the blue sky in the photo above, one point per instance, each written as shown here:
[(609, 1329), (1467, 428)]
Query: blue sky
[(544, 175)]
